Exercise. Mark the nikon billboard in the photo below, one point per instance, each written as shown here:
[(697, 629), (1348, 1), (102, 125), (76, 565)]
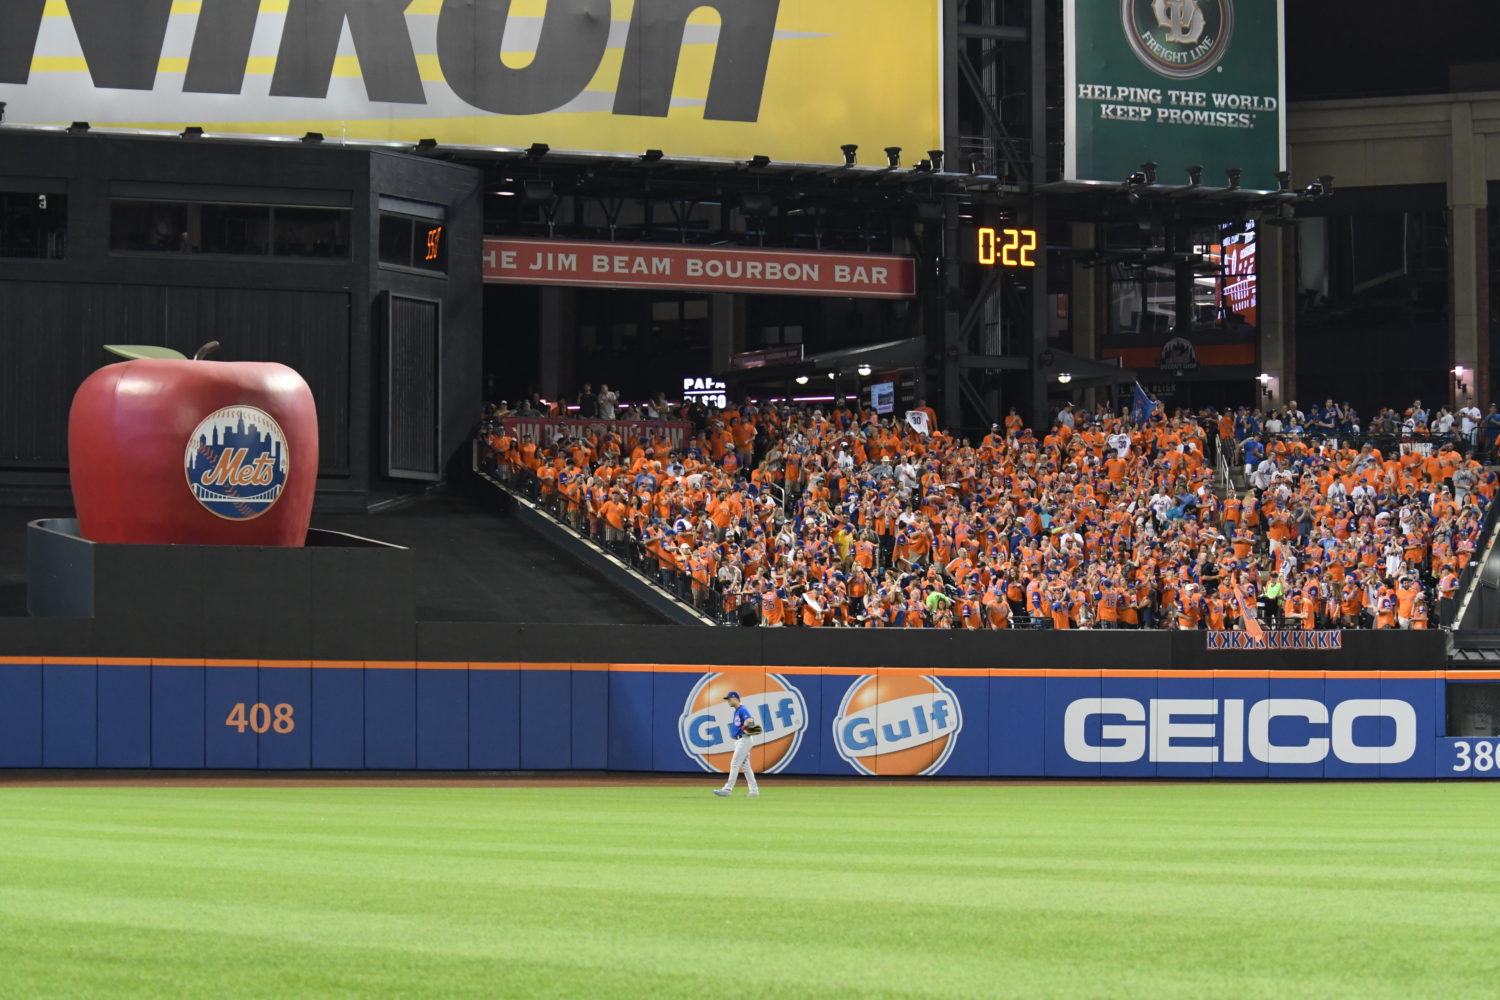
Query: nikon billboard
[(1179, 82), (789, 79)]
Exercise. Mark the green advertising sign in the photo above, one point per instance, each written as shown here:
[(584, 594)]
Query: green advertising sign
[(1179, 82)]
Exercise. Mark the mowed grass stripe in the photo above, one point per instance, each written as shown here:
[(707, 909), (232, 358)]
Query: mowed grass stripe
[(880, 890)]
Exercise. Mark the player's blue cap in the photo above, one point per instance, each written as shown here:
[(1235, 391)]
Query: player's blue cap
[(732, 694)]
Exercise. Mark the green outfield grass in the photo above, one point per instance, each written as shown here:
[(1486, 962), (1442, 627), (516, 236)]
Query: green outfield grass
[(879, 890)]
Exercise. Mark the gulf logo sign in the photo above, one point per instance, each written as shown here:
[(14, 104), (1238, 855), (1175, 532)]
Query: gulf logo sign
[(897, 723), (778, 706)]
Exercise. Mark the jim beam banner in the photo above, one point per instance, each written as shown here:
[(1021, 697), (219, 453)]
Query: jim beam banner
[(788, 79), (713, 269), (1177, 82)]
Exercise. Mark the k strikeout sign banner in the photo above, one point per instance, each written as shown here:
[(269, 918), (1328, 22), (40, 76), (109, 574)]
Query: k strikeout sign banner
[(1177, 82), (712, 269)]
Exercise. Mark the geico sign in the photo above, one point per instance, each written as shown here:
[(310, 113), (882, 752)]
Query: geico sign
[(1131, 730), (122, 44)]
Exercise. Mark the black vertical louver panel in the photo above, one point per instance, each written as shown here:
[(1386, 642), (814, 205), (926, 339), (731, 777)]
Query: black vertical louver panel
[(412, 403)]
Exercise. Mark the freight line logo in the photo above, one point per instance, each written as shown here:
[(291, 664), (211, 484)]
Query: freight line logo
[(703, 727), (1179, 39), (898, 723)]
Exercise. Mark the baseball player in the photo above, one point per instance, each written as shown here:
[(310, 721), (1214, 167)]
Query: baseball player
[(742, 727)]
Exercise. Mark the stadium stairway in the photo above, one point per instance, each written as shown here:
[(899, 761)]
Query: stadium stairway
[(473, 565), (513, 505)]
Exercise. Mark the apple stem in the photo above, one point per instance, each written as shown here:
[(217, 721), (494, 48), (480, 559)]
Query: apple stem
[(206, 350)]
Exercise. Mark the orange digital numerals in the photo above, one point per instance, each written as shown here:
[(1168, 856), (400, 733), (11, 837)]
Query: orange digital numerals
[(261, 718), (1016, 249)]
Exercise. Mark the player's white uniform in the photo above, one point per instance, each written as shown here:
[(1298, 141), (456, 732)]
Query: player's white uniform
[(740, 760)]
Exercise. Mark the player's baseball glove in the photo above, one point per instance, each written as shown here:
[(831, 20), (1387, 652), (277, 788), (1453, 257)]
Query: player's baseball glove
[(752, 728)]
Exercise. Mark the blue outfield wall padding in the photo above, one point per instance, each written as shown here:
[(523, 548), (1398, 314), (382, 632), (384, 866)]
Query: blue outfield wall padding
[(70, 714), (21, 714), (546, 719), (443, 718), (1121, 729), (1016, 726), (590, 716), (390, 717), (494, 718), (1184, 725), (818, 720), (835, 684), (177, 714), (669, 692), (232, 692), (1416, 758), (289, 686), (970, 755), (337, 718), (125, 715), (631, 721), (1073, 730), (1291, 738), (808, 751), (1357, 715), (1234, 695)]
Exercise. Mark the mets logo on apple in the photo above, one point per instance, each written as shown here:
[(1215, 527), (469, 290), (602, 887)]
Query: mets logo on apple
[(237, 462)]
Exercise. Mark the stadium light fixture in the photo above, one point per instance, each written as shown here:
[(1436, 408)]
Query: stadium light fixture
[(78, 128), (850, 151), (801, 379), (313, 138), (833, 375), (1195, 177), (1148, 170), (1284, 181), (1459, 371), (1065, 377), (193, 132), (538, 150), (652, 156), (1233, 173), (893, 156), (760, 161), (864, 371), (426, 147), (936, 156)]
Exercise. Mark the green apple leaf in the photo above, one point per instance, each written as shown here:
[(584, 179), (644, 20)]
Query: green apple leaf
[(135, 351)]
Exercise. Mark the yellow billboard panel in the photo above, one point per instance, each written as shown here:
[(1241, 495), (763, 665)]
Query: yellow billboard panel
[(790, 79)]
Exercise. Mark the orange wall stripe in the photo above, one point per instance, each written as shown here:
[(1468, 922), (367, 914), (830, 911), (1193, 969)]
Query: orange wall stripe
[(801, 670)]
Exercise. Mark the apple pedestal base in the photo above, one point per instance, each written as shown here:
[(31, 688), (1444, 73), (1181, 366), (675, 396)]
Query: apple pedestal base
[(275, 601)]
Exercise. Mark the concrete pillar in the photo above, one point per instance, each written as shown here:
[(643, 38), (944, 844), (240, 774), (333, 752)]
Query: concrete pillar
[(1468, 204), (1085, 307), (1276, 258), (727, 329), (558, 334)]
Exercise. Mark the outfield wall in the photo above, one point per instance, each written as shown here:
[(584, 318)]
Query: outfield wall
[(86, 712)]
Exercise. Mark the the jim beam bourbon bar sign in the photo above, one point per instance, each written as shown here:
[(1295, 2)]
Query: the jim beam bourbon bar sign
[(710, 269)]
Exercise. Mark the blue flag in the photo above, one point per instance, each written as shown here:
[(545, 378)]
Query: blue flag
[(1142, 408)]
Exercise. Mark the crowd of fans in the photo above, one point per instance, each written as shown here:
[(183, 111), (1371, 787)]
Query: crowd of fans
[(792, 515)]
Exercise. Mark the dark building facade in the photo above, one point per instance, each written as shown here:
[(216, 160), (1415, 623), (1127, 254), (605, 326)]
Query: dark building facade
[(358, 267)]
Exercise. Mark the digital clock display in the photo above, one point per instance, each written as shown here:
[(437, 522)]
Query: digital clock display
[(1006, 247)]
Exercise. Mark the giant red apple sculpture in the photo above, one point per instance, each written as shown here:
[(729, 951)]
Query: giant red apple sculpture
[(170, 450)]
